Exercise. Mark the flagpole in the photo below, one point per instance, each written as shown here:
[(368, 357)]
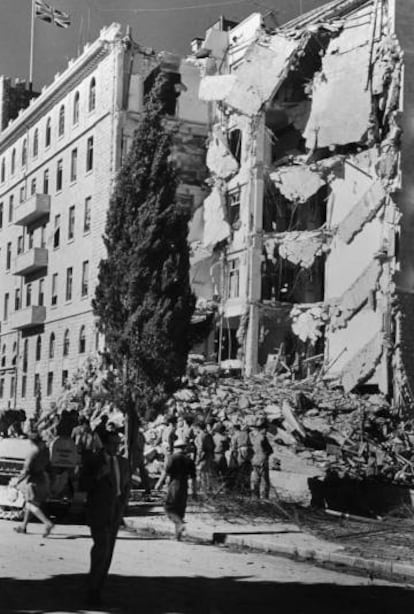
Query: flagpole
[(32, 27)]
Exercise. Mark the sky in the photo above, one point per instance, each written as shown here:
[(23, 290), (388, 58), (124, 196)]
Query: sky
[(162, 24)]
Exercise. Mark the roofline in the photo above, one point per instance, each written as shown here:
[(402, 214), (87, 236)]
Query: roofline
[(333, 10)]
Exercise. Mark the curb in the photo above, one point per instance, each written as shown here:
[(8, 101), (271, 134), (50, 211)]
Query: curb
[(389, 570)]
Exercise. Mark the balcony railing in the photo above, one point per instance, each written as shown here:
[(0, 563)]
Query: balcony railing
[(29, 317), (31, 261), (33, 209)]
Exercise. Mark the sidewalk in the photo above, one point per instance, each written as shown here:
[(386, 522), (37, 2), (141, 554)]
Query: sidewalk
[(280, 538)]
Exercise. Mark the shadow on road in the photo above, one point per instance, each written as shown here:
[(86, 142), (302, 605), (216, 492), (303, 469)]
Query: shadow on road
[(200, 595)]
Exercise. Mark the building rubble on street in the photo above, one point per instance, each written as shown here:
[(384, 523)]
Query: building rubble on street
[(303, 243)]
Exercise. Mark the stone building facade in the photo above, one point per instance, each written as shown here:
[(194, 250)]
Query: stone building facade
[(58, 162)]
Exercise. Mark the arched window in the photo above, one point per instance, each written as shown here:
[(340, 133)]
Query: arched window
[(52, 345), (38, 347), (25, 355), (3, 170), (76, 108), (13, 161), (66, 343), (24, 152), (61, 127), (92, 94), (48, 132), (36, 143), (3, 355), (82, 340)]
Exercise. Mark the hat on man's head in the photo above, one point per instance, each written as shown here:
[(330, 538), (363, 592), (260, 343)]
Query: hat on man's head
[(179, 443)]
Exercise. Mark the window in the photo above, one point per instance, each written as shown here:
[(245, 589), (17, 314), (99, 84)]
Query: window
[(49, 390), (25, 355), (33, 186), (74, 165), (48, 132), (20, 245), (35, 143), (87, 215), (59, 175), (13, 162), (28, 295), (85, 278), (56, 233), (41, 298), (17, 299), (36, 386), (3, 355), (82, 340), (235, 139), (65, 377), (43, 236), (6, 306), (3, 170), (24, 385), (11, 208), (233, 208), (234, 276), (1, 387), (89, 154), (12, 386), (46, 182), (66, 343), (92, 95), (14, 353), (69, 281), (22, 194), (76, 108), (61, 126), (54, 289), (30, 236), (38, 348), (8, 256), (24, 152), (1, 215), (52, 345), (71, 223)]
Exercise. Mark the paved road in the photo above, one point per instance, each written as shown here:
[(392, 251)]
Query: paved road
[(160, 576)]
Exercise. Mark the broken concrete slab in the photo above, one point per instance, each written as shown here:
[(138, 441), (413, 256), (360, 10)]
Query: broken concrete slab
[(307, 323), (361, 366), (297, 182), (216, 226), (220, 160), (341, 102), (216, 87), (302, 247)]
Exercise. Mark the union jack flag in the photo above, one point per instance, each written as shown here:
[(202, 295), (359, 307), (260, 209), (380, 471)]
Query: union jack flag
[(47, 13)]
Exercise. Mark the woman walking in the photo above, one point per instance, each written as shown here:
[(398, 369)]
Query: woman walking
[(33, 482), (179, 469)]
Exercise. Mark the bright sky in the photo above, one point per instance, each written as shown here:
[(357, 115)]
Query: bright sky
[(162, 24)]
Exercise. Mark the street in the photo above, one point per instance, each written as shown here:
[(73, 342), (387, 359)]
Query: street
[(157, 575)]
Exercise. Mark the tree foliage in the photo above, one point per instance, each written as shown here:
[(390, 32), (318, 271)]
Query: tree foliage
[(143, 298)]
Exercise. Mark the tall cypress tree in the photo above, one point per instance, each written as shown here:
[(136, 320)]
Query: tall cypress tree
[(143, 299)]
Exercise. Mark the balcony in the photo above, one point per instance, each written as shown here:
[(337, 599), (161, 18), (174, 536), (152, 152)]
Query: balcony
[(33, 209), (31, 261), (29, 317)]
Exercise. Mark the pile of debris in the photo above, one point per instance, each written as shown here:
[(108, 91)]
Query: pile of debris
[(357, 436)]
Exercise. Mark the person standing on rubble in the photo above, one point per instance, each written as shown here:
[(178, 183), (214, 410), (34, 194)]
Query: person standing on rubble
[(260, 479), (221, 445), (168, 436), (180, 468), (204, 444)]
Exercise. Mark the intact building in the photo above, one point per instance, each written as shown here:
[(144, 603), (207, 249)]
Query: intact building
[(58, 161), (305, 240)]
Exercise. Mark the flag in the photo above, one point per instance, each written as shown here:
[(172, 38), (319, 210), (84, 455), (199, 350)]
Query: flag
[(47, 13)]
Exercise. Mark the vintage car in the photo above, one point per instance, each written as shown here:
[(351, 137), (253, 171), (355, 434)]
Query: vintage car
[(63, 463)]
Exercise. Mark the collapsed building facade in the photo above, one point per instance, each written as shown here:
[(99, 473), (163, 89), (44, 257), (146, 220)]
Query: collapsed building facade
[(304, 240)]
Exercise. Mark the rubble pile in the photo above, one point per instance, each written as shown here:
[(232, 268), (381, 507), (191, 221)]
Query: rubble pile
[(357, 436)]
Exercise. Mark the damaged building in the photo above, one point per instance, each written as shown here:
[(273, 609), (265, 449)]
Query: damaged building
[(304, 239)]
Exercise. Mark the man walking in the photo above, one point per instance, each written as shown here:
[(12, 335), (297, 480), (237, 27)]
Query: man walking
[(105, 477), (179, 469)]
